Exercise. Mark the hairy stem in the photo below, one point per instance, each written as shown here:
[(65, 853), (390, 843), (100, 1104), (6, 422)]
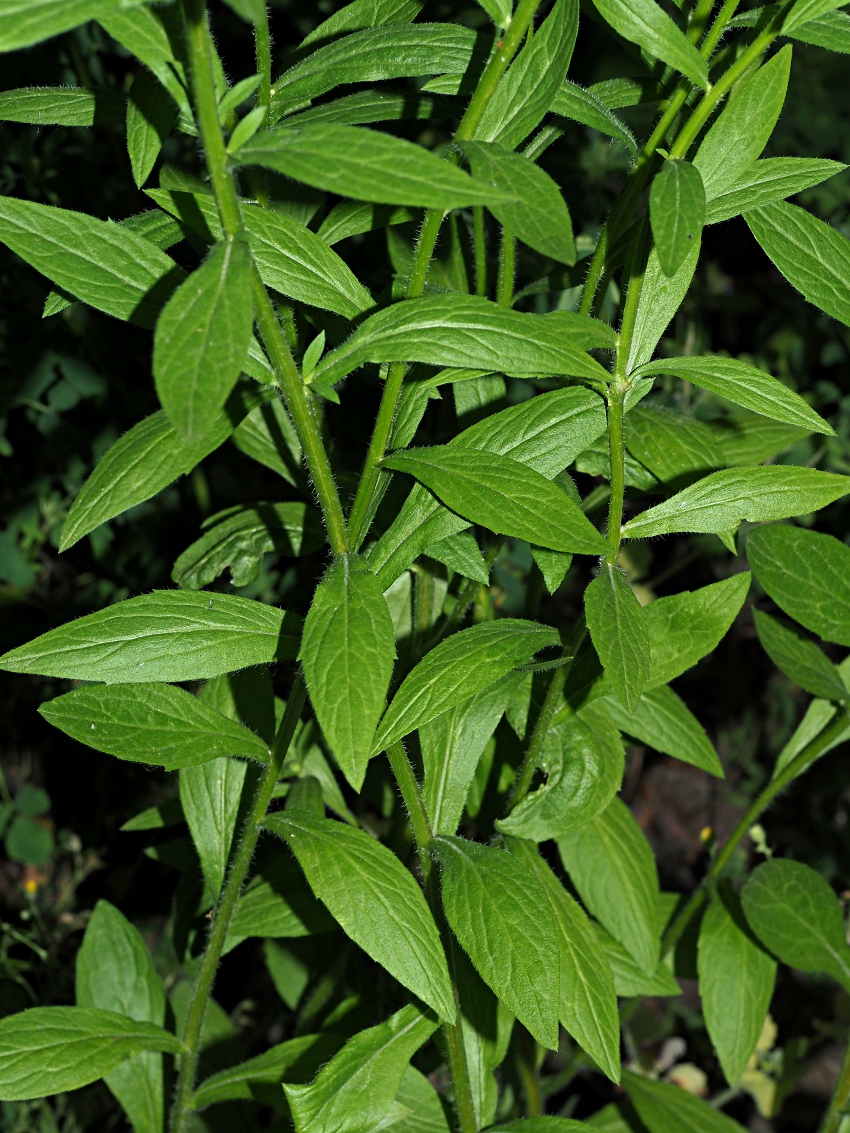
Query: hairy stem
[(840, 1097), (191, 1036), (507, 269), (479, 251)]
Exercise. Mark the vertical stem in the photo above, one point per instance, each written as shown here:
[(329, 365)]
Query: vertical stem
[(191, 1037), (507, 269), (263, 55), (479, 251), (617, 453), (412, 796), (840, 1097)]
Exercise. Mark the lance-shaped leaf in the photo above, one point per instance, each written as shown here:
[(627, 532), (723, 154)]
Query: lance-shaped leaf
[(612, 866), (813, 256), (48, 1050), (580, 105), (151, 723), (538, 215), (104, 264), (800, 659), (151, 115), (297, 1060), (152, 36), (202, 338), (365, 164), (745, 385), (741, 132), (664, 722), (356, 1090), (670, 444), (457, 669), (169, 635), (807, 573), (685, 627), (645, 23), (24, 22), (795, 914), (364, 14), (721, 501), (831, 31), (629, 977), (665, 1108), (805, 10), (503, 495), (660, 298), (504, 922), (619, 633), (278, 903), (62, 106), (771, 179), (347, 653), (676, 212), (375, 900), (736, 978), (210, 794)]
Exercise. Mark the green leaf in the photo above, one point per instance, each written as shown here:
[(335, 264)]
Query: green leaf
[(526, 91), (503, 495), (499, 11), (817, 716), (612, 866), (813, 256), (807, 574), (459, 667), (805, 10), (619, 633), (48, 1050), (800, 659), (795, 914), (538, 215), (151, 115), (504, 922), (347, 652), (427, 1114), (580, 105), (744, 438), (296, 1060), (461, 553), (664, 722), (151, 723), (629, 978), (671, 445), (588, 1003), (62, 106), (665, 1108), (153, 35), (645, 23), (660, 298), (583, 758), (252, 11), (736, 978), (278, 902), (169, 635), (268, 436), (210, 794), (421, 521), (115, 972), (473, 333), (29, 842), (486, 1026), (365, 164), (356, 1090), (676, 212), (375, 900), (771, 179), (743, 384), (541, 1125), (364, 14), (721, 501), (202, 338), (831, 31), (104, 264), (744, 126), (25, 22), (685, 627), (169, 813)]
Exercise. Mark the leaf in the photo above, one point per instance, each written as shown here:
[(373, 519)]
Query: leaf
[(252, 11), (486, 1026), (743, 384), (670, 444), (538, 215), (721, 501), (541, 1125), (152, 723), (459, 667), (364, 14), (687, 626), (805, 10), (25, 22), (365, 164), (526, 91), (588, 1003), (613, 868), (817, 716), (503, 495), (744, 126), (800, 659), (347, 652), (795, 914), (504, 923), (629, 979), (831, 31), (169, 635), (62, 106), (771, 179), (813, 256), (375, 900), (452, 744), (153, 36), (210, 794), (104, 264), (676, 212), (736, 978), (292, 1061), (268, 436), (580, 105), (499, 11), (461, 553), (48, 1050), (472, 333), (664, 722), (584, 759), (278, 903), (427, 1114), (660, 298), (744, 438), (807, 574), (645, 23), (619, 633), (665, 1108), (151, 115), (115, 972), (201, 339), (355, 1091)]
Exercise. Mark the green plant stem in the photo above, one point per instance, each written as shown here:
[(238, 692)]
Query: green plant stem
[(479, 247), (797, 766), (263, 56), (840, 1097), (617, 453), (507, 269), (412, 797), (191, 1037)]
